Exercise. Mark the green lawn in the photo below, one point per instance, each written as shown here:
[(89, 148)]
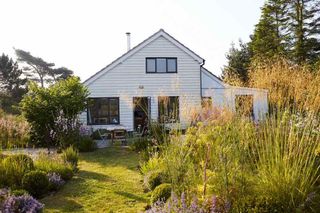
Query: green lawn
[(108, 181)]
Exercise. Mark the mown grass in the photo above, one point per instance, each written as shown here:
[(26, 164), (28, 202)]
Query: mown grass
[(108, 181)]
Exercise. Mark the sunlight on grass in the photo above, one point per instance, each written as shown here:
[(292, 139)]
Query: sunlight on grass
[(108, 181)]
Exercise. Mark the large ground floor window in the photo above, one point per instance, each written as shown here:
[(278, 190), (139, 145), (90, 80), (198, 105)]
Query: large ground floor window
[(168, 109), (103, 111)]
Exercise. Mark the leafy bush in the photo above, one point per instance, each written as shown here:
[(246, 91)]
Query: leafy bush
[(15, 167), (36, 183), (71, 156), (86, 144), (161, 192), (140, 144), (22, 204), (53, 111), (55, 181), (49, 165), (153, 179)]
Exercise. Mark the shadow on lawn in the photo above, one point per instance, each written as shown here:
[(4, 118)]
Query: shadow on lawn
[(94, 175), (112, 157), (131, 196)]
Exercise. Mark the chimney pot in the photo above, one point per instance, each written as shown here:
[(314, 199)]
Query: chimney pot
[(128, 41)]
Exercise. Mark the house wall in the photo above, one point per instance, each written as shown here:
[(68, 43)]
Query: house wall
[(226, 98), (127, 79)]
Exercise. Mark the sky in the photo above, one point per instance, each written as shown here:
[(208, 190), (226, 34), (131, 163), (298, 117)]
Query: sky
[(86, 35)]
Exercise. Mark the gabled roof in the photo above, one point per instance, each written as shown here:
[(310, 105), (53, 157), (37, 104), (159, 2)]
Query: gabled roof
[(213, 77), (153, 37)]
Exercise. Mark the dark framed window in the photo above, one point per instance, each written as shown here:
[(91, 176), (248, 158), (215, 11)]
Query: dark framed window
[(161, 65), (103, 111), (168, 107)]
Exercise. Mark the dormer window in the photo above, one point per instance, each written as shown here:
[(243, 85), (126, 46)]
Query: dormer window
[(161, 65)]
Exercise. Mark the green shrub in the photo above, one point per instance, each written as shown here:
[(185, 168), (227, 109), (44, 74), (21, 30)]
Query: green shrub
[(161, 192), (48, 165), (153, 179), (86, 144), (71, 156), (36, 183), (19, 192), (140, 144), (15, 167)]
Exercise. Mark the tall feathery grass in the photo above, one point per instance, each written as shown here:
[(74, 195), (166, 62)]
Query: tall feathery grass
[(14, 131), (289, 85)]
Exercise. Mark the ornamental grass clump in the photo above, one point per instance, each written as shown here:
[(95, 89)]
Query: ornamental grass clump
[(14, 131), (286, 163), (71, 156)]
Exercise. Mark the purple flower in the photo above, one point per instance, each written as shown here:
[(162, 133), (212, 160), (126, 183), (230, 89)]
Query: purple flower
[(23, 204), (55, 181)]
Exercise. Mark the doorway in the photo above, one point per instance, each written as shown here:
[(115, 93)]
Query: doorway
[(141, 112)]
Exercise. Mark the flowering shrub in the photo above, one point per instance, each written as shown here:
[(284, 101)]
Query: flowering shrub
[(22, 204), (55, 181), (182, 206), (14, 131)]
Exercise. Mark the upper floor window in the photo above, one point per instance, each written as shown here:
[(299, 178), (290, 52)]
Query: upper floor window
[(161, 65)]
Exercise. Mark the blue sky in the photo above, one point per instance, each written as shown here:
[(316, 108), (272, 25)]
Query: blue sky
[(86, 35)]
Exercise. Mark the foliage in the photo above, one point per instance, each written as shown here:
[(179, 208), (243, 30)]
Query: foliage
[(153, 179), (161, 192), (248, 167), (14, 131), (140, 144), (55, 181), (38, 70), (19, 192), (11, 84), (23, 204), (54, 165), (236, 72), (52, 112), (85, 144), (15, 167), (36, 183), (290, 86), (268, 39), (70, 156), (175, 204)]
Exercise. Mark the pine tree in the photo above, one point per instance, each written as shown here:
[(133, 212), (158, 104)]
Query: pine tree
[(270, 34), (12, 84), (305, 29)]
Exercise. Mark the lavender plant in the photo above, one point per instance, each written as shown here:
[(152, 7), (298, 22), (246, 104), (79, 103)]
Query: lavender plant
[(22, 204), (180, 205), (55, 181)]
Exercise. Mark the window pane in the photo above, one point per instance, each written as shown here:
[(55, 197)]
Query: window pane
[(114, 106), (168, 109), (98, 111), (151, 65), (161, 65), (172, 64)]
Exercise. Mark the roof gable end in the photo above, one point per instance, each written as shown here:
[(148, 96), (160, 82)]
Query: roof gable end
[(134, 50)]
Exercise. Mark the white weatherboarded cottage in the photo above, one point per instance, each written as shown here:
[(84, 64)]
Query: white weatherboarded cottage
[(168, 81)]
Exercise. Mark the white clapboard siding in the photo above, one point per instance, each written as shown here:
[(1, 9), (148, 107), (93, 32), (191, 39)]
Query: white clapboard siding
[(126, 79)]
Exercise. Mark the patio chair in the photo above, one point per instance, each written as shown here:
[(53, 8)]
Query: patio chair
[(120, 135), (103, 133)]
